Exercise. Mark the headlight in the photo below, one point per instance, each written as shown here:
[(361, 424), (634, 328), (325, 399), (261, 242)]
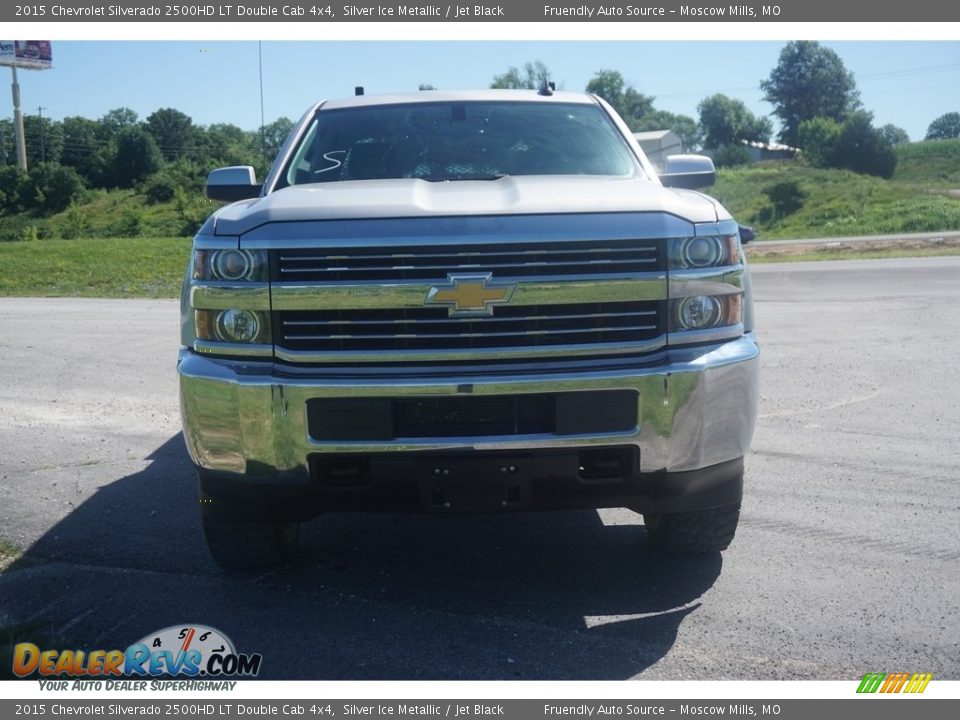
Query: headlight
[(704, 251), (230, 265)]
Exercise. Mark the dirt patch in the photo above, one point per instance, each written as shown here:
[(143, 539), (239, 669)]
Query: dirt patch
[(759, 249)]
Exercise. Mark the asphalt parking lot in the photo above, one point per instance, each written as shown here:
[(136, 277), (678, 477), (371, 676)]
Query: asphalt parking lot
[(847, 559)]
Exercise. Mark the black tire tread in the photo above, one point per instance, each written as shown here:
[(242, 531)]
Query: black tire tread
[(693, 533)]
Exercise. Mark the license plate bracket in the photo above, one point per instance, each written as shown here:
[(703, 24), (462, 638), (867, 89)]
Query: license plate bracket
[(474, 483)]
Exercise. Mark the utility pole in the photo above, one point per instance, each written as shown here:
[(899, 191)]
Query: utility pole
[(18, 124), (263, 137), (43, 148)]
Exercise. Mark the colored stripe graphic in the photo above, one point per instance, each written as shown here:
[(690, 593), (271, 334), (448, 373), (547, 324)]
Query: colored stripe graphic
[(918, 683), (871, 682), (894, 682)]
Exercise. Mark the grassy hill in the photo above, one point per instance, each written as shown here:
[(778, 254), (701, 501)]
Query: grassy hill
[(784, 200), (789, 200)]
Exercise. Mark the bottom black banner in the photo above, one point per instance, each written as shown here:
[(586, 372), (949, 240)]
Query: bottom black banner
[(874, 708)]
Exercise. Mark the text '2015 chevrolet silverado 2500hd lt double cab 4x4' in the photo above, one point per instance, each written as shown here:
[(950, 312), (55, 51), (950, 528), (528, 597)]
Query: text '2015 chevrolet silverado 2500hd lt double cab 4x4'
[(466, 302)]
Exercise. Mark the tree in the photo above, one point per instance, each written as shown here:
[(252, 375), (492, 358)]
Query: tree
[(116, 120), (863, 149), (809, 81), (635, 105), (55, 186), (531, 77), (944, 127), (629, 103), (853, 144), (425, 86), (608, 84), (275, 134), (725, 121), (173, 131), (137, 156), (683, 125), (894, 135), (83, 150), (44, 139)]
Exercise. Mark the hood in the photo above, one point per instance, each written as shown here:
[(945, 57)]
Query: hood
[(525, 195)]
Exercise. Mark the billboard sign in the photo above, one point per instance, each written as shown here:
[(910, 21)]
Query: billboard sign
[(29, 54)]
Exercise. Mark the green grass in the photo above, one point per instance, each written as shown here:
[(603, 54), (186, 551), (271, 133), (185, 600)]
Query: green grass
[(9, 554), (856, 255), (925, 162), (922, 196), (94, 267), (837, 203)]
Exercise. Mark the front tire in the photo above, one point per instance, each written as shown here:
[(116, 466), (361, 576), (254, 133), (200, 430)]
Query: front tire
[(693, 533)]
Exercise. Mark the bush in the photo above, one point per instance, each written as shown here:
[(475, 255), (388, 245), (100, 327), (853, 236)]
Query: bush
[(75, 224), (731, 156), (863, 149), (786, 197), (852, 145), (818, 140), (159, 188), (13, 188), (60, 186), (130, 224)]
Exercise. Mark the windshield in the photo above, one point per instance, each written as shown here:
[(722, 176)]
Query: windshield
[(460, 141)]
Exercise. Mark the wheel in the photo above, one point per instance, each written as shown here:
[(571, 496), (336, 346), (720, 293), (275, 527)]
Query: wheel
[(693, 533), (247, 546)]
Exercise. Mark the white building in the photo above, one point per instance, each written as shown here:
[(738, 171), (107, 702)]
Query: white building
[(657, 144)]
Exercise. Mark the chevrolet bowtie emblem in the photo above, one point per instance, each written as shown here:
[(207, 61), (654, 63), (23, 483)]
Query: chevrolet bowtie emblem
[(471, 294)]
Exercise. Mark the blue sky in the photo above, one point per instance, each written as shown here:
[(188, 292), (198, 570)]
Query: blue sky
[(904, 83)]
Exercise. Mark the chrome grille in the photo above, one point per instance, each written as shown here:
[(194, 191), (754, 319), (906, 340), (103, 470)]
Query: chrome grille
[(526, 326), (434, 262)]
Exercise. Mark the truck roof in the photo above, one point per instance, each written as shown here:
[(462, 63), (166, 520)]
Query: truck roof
[(428, 96)]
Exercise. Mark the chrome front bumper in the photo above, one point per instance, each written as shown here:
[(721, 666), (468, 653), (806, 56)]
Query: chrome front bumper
[(248, 420)]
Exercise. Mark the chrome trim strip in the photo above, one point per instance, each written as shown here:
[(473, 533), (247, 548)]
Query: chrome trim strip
[(477, 253), (460, 321), (233, 349), (689, 337), (452, 336), (225, 295), (374, 356), (540, 291), (458, 267), (709, 281)]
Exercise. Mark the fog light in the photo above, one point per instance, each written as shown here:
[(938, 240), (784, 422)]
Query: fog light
[(237, 326), (697, 313)]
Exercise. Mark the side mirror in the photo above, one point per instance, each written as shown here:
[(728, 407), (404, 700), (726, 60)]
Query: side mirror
[(233, 183), (688, 171)]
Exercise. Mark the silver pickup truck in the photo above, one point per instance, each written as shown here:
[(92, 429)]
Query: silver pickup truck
[(466, 302)]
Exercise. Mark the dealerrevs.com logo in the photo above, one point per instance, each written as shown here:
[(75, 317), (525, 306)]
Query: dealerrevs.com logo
[(180, 650), (894, 683)]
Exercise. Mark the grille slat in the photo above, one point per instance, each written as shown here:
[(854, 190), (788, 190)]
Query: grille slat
[(432, 329), (434, 262)]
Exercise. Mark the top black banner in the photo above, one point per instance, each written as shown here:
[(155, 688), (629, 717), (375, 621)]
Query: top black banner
[(539, 11)]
